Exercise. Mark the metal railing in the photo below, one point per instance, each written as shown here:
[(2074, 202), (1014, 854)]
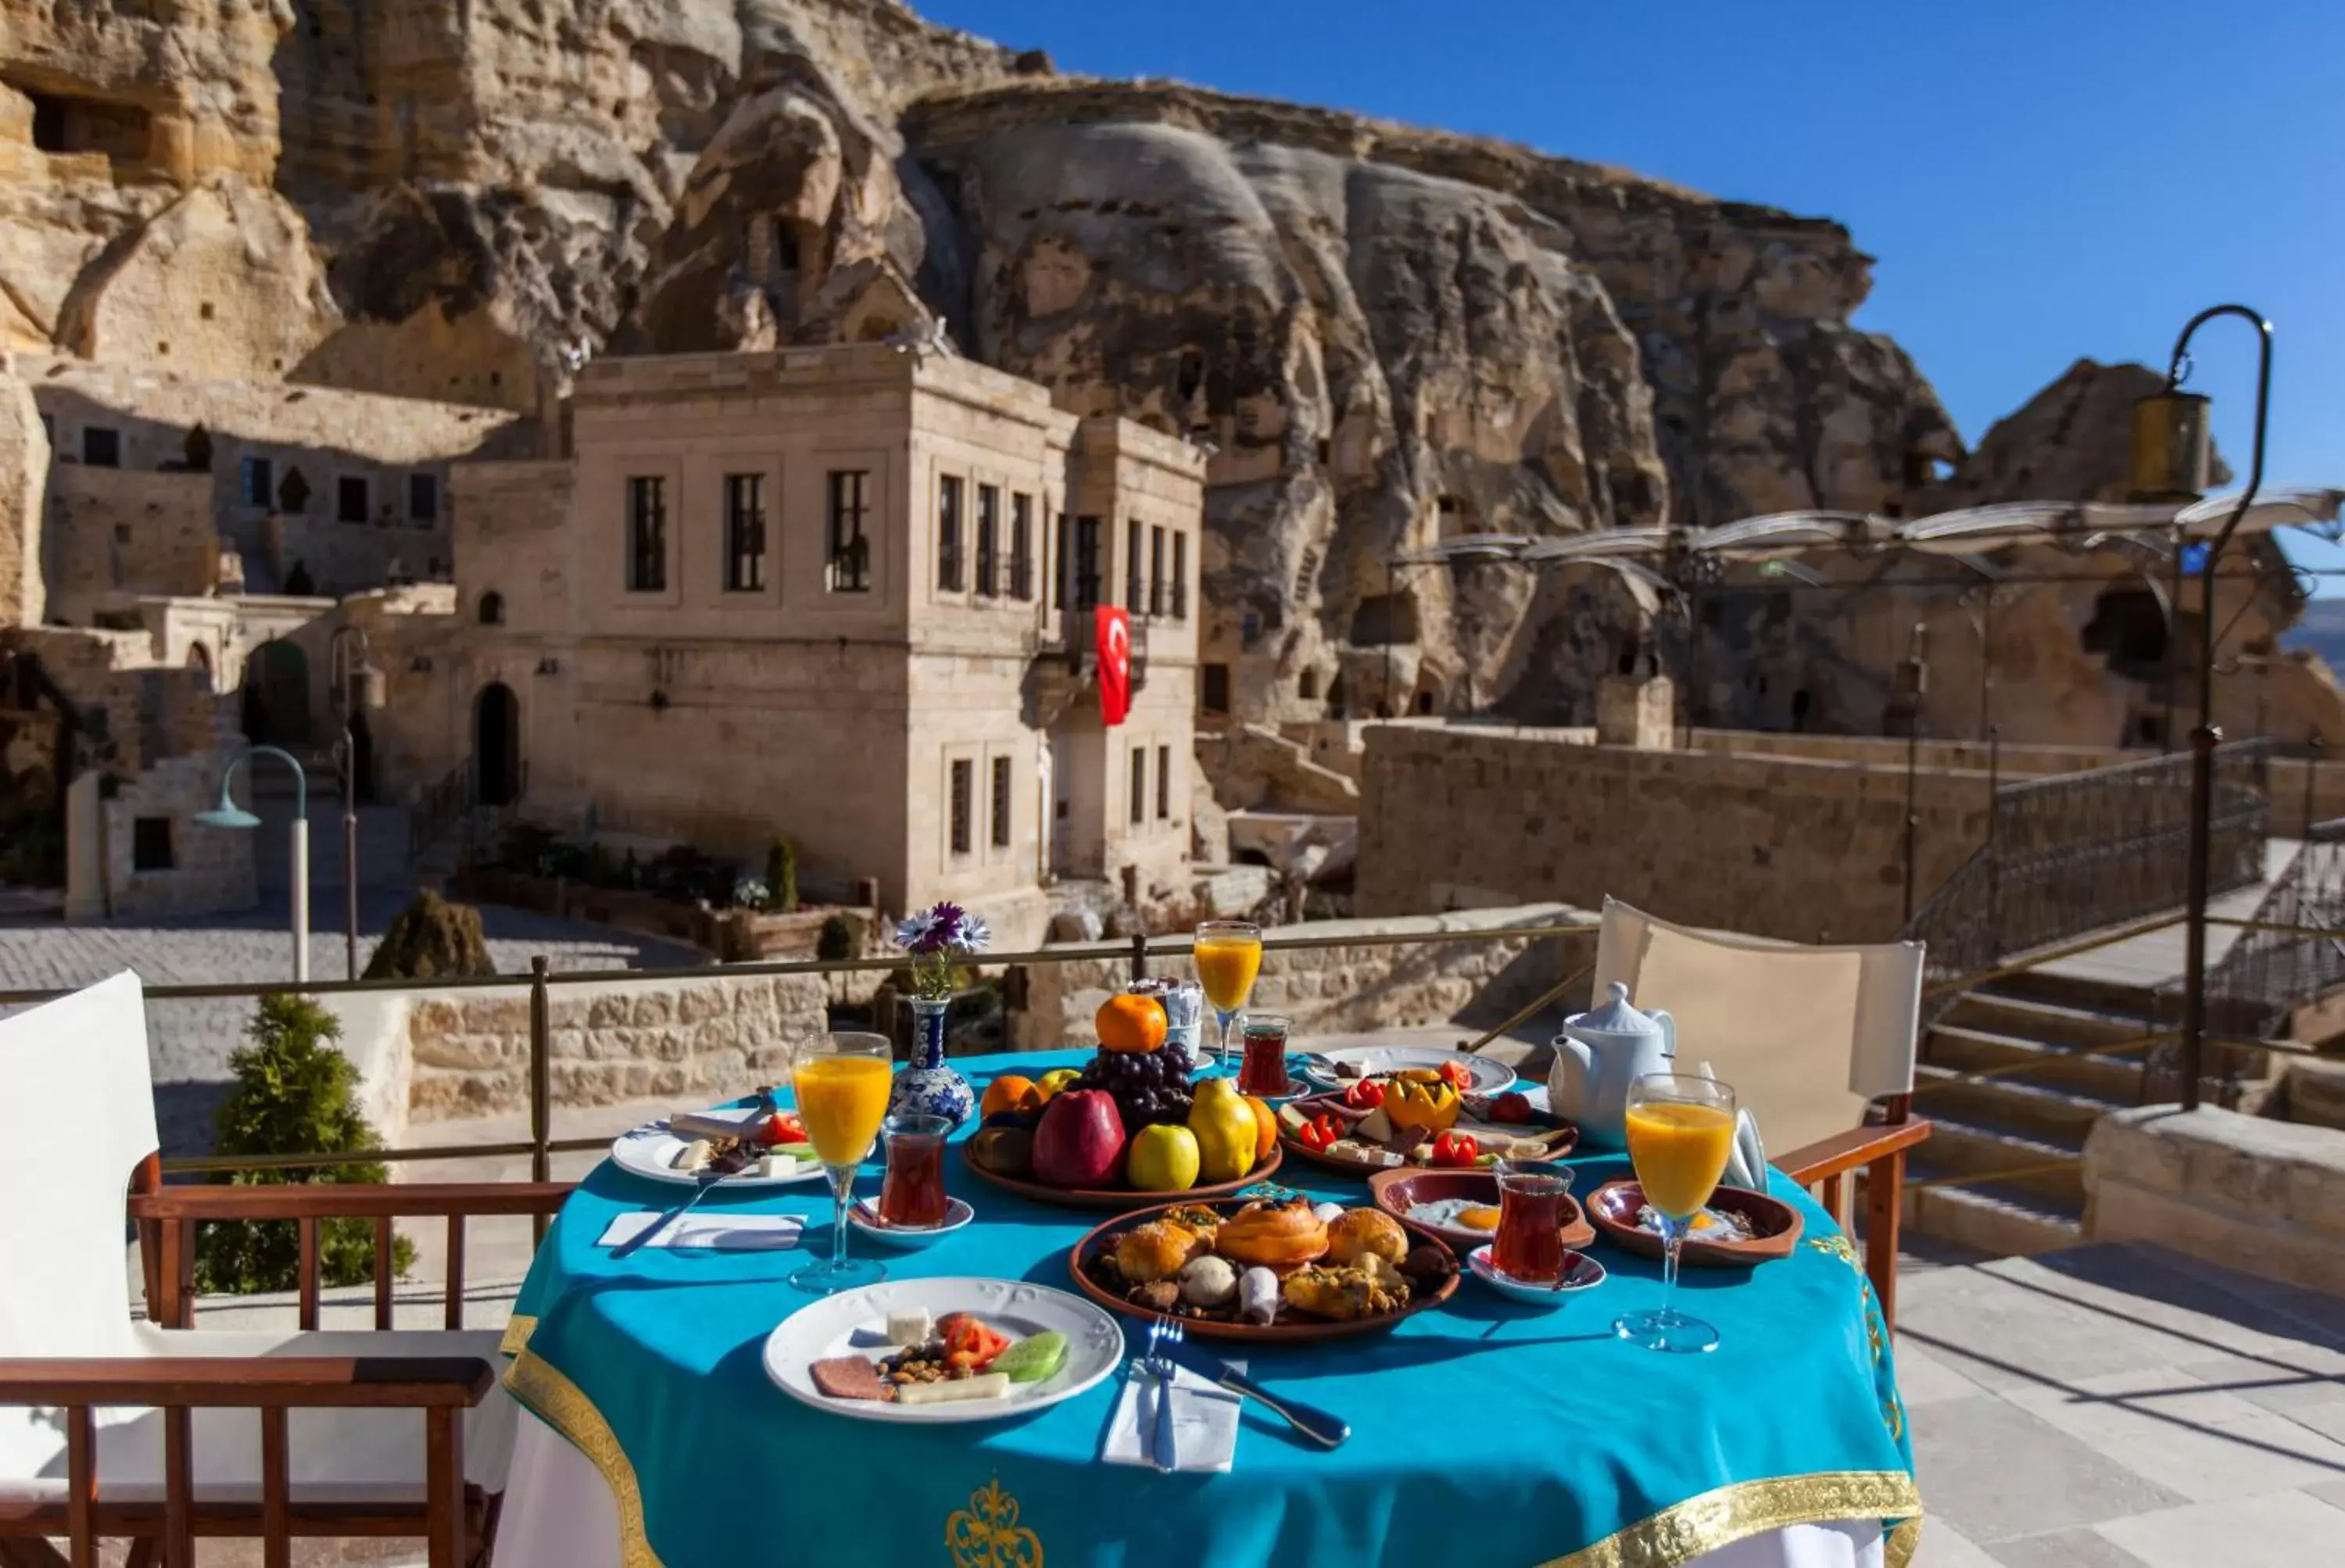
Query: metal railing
[(2078, 852), (442, 806), (543, 980), (2288, 952)]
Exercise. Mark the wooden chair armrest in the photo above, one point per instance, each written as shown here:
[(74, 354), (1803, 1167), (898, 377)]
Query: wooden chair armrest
[(1850, 1150), (326, 1200), (282, 1382)]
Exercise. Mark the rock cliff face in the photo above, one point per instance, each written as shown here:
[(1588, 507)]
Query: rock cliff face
[(1390, 335)]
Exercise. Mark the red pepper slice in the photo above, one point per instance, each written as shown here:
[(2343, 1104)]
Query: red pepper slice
[(971, 1342), (1365, 1095), (1319, 1132), (784, 1127)]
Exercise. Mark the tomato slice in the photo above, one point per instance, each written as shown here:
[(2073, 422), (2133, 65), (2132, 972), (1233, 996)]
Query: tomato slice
[(970, 1341), (784, 1127)]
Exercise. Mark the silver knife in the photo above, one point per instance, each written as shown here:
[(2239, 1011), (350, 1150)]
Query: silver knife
[(1311, 1421)]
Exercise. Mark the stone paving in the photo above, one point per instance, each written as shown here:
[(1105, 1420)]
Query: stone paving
[(190, 1040)]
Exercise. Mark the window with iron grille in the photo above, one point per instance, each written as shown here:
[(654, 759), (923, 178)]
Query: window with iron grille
[(1000, 802), (352, 499), (1131, 565), (989, 540), (744, 533), (423, 498), (948, 566), (1180, 576), (1156, 583), (1139, 785), (646, 534), (1021, 546), (961, 769), (1163, 783), (850, 550), (1087, 563), (259, 480)]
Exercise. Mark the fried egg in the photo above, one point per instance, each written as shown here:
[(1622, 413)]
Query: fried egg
[(1457, 1214)]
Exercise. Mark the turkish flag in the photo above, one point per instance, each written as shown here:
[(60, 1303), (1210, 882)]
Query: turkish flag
[(1114, 663)]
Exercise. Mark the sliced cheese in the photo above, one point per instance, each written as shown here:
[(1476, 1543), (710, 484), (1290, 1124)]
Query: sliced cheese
[(694, 1154), (985, 1386)]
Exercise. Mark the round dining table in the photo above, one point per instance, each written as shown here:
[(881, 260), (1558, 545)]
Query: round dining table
[(1484, 1431)]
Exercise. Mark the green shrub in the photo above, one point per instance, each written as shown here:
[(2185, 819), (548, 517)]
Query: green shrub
[(432, 937), (292, 1095), (782, 877), (841, 937)]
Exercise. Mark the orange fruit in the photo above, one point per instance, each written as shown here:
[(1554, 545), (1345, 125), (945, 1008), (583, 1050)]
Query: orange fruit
[(1128, 1021), (1266, 1128), (1010, 1093)]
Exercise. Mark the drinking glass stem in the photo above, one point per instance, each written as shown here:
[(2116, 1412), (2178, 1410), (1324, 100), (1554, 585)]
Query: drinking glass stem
[(842, 1183), (1227, 1019), (1672, 1238)]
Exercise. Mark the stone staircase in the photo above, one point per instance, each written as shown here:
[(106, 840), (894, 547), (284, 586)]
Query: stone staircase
[(2020, 1120)]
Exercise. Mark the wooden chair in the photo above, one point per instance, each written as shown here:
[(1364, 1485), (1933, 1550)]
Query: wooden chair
[(113, 1427), (1818, 1042)]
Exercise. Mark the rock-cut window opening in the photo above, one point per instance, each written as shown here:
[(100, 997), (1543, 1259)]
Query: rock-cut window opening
[(72, 123)]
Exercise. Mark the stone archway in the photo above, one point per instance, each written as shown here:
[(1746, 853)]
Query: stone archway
[(277, 696), (496, 745)]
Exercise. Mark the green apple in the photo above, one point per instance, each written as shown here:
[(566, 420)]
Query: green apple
[(1162, 1158)]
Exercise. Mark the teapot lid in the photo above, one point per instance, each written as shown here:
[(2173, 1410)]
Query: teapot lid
[(1615, 1017)]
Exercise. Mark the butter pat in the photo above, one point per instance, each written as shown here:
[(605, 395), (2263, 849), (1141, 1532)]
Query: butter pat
[(986, 1386), (913, 1327), (774, 1164)]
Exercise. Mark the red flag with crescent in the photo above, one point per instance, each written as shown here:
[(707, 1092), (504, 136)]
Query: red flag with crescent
[(1115, 664)]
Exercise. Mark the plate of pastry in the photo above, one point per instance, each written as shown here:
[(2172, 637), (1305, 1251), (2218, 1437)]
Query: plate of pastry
[(1270, 1271), (942, 1351), (748, 1146)]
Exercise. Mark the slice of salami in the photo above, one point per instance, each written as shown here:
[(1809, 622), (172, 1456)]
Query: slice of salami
[(848, 1378)]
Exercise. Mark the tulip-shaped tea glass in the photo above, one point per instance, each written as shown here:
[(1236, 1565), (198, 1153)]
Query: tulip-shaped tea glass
[(1681, 1132), (842, 1090)]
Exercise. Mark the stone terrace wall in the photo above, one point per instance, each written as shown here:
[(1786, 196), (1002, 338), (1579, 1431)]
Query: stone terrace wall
[(467, 1052), (116, 530), (1775, 846), (1333, 990), (2263, 1195)]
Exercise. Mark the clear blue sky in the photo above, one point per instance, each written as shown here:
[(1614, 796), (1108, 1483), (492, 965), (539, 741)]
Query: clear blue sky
[(2038, 181)]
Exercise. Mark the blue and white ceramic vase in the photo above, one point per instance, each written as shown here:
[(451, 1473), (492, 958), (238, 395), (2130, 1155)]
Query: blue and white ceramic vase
[(928, 1088)]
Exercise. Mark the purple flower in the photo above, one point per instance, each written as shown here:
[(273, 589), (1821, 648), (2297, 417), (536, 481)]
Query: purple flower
[(913, 932)]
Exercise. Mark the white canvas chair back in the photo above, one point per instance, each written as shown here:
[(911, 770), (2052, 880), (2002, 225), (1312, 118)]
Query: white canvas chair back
[(1806, 1036)]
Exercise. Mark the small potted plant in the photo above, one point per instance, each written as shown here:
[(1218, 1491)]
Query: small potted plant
[(938, 939)]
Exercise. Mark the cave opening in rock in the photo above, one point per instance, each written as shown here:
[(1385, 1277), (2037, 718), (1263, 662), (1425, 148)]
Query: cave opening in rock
[(2130, 626), (70, 123), (1307, 686), (1385, 618)]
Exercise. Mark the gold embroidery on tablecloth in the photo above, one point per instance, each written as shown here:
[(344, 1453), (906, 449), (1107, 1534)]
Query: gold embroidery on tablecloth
[(518, 1329), (562, 1405), (1903, 1543), (1730, 1514), (987, 1534)]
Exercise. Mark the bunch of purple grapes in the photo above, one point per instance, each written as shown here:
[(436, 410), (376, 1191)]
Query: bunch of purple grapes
[(1150, 1088)]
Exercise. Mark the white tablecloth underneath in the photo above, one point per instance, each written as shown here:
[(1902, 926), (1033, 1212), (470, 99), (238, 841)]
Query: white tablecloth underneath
[(559, 1513)]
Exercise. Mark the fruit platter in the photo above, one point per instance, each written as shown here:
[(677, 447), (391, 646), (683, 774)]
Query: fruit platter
[(1132, 1127), (1426, 1117), (1275, 1270)]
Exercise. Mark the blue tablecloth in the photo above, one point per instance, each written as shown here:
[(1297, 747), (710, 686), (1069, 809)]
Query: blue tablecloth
[(1484, 1432)]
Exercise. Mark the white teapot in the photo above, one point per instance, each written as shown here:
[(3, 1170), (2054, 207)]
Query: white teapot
[(1601, 1053)]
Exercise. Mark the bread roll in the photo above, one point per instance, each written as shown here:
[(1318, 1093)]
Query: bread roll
[(1365, 1232), (1273, 1235), (1157, 1250)]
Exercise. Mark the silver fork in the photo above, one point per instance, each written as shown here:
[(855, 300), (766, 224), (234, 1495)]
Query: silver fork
[(636, 1243), (1162, 1333)]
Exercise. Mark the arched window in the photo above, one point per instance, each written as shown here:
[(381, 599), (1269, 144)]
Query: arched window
[(1307, 688), (492, 608)]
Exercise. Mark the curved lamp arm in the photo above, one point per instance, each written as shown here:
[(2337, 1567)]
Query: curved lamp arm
[(300, 778), (2177, 370)]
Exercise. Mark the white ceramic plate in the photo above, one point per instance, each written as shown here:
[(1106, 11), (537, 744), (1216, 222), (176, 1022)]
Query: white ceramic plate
[(1580, 1273), (650, 1153), (1489, 1077), (853, 1322)]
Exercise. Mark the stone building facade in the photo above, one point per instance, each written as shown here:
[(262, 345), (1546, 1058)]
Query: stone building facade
[(846, 596)]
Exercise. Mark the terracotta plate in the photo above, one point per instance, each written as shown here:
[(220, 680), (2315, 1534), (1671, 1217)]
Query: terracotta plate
[(1396, 1190), (1614, 1207), (1288, 1333), (1559, 1134), (1116, 1197)]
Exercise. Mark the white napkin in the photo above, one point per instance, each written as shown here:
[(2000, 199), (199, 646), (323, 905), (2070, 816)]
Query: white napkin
[(719, 1232), (1746, 1166), (1204, 1421)]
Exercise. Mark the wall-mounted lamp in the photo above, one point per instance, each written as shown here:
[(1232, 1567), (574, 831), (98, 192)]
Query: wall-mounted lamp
[(2172, 458)]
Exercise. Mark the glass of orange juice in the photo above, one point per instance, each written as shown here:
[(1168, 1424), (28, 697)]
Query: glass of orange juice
[(842, 1083), (1681, 1132), (1228, 954)]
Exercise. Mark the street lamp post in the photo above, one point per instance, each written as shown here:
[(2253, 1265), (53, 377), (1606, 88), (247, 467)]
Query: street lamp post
[(2171, 460), (229, 814), (369, 683)]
